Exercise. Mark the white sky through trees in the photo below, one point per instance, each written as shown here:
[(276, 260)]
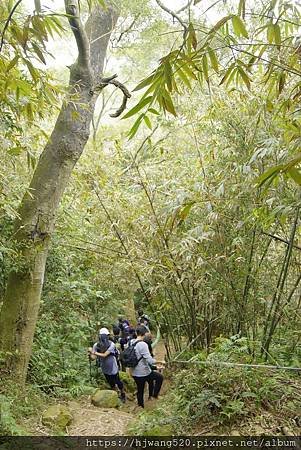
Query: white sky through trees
[(64, 55)]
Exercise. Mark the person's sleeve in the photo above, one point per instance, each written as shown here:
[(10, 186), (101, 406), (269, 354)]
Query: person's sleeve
[(144, 352), (158, 337), (111, 349)]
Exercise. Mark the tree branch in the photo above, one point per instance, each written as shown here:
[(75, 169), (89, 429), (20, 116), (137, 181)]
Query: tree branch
[(128, 28), (172, 13), (188, 4), (79, 32), (126, 95), (278, 238)]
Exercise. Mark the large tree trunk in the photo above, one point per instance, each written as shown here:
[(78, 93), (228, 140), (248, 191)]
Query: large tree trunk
[(39, 206)]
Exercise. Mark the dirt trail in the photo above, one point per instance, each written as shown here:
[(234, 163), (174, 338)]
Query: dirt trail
[(92, 421), (89, 420)]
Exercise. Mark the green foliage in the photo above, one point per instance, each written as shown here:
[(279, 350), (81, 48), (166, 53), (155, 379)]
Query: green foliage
[(221, 398), (179, 223), (153, 423), (16, 406), (27, 90), (275, 63)]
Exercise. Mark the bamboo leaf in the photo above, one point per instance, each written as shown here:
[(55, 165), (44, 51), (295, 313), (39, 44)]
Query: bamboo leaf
[(146, 81), (186, 210), (192, 39), (219, 24), (271, 172), (148, 122), (244, 77), (295, 174), (183, 76), (242, 8), (213, 59), (185, 67), (135, 127), (137, 108), (33, 72), (239, 27), (154, 111), (293, 162), (168, 103), (168, 75), (270, 33), (281, 82), (228, 73), (277, 34), (205, 67), (12, 63), (38, 52)]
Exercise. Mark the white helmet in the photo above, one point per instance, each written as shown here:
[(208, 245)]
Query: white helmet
[(104, 331)]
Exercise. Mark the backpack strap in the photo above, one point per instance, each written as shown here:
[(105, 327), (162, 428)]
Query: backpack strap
[(134, 345)]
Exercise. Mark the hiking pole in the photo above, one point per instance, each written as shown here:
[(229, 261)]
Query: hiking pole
[(90, 367), (89, 351)]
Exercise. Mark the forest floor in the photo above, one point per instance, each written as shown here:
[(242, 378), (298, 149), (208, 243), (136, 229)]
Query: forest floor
[(89, 420)]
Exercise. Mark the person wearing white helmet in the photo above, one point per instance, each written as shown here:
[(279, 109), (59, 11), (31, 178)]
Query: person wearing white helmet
[(144, 320), (105, 352)]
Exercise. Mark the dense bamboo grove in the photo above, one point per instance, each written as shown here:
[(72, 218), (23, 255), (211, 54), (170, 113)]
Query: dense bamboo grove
[(173, 185)]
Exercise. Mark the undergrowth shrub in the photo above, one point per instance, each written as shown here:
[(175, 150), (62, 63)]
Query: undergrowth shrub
[(18, 404), (213, 396)]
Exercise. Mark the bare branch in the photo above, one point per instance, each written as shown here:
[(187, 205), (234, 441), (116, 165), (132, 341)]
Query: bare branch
[(79, 32), (188, 4), (128, 28), (107, 80), (126, 95), (173, 14)]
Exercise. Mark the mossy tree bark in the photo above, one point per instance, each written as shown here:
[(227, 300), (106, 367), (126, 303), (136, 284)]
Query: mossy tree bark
[(37, 212)]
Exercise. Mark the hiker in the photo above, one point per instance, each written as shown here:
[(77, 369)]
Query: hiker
[(124, 327), (116, 332), (106, 354), (143, 372), (156, 378), (144, 320), (132, 334)]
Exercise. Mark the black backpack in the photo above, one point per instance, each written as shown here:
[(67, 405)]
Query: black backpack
[(102, 349), (129, 357), (116, 330)]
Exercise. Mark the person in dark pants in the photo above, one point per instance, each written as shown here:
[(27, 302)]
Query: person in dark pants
[(155, 378), (142, 373), (155, 381), (105, 352)]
